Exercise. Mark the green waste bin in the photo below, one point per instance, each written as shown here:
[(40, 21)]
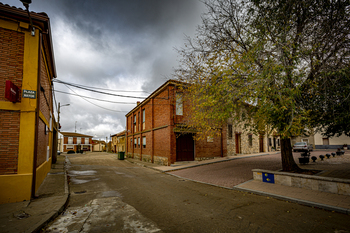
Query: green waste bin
[(121, 155)]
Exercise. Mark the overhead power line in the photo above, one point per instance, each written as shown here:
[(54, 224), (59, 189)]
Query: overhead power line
[(115, 102), (101, 92), (94, 103)]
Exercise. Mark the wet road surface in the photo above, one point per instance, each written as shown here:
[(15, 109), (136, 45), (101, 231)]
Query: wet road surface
[(109, 195)]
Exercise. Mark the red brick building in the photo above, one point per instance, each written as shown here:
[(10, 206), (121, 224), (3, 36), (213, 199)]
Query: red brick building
[(156, 130), (76, 142)]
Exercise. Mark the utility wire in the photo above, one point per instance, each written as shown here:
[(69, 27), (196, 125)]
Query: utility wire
[(94, 98), (114, 102), (100, 88), (93, 103), (89, 89), (105, 93)]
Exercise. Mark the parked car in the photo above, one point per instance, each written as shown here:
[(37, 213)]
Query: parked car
[(302, 147)]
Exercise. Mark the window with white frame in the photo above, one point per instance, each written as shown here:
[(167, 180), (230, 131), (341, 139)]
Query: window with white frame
[(138, 142), (135, 142), (78, 140), (144, 142), (70, 147), (70, 140), (179, 104)]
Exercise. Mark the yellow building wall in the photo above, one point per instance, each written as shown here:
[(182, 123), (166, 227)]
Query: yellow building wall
[(17, 187)]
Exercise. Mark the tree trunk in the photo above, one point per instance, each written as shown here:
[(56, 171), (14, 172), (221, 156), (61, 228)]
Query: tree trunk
[(288, 163)]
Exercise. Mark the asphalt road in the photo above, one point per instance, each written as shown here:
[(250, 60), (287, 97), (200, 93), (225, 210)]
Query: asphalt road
[(231, 173), (109, 195)]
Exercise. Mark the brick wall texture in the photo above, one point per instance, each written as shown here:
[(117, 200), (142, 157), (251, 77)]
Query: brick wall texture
[(158, 129), (11, 68), (45, 107), (45, 96), (11, 59), (9, 130), (43, 142)]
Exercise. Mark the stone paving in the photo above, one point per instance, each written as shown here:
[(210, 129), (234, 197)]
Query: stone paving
[(234, 172)]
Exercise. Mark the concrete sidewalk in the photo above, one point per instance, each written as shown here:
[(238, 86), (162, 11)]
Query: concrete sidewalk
[(33, 215), (317, 199)]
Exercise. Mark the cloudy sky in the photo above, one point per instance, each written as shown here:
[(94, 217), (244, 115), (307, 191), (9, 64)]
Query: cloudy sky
[(123, 45)]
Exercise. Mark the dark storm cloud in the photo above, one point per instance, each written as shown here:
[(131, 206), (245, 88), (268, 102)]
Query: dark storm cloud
[(150, 29), (115, 44)]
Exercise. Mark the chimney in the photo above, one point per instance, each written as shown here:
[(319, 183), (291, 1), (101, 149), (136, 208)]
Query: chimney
[(138, 102)]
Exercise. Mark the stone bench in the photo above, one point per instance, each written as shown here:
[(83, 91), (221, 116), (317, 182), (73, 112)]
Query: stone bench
[(318, 183)]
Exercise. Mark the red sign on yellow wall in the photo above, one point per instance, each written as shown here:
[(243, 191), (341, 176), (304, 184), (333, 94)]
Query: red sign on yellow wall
[(12, 92)]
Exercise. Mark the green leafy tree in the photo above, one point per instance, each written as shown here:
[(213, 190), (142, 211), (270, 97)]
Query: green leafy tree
[(267, 63)]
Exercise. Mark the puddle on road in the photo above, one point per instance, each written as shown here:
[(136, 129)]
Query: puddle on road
[(124, 175), (79, 181), (111, 193), (82, 173)]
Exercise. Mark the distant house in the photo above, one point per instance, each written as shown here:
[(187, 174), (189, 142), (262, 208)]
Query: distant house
[(114, 143), (322, 142), (76, 142), (156, 130), (98, 146), (241, 141), (118, 142), (121, 142)]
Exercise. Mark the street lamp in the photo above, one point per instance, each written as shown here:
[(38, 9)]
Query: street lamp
[(26, 5), (59, 111)]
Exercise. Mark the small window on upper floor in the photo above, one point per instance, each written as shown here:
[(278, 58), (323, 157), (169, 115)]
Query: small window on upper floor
[(229, 129), (179, 104), (134, 123), (143, 119), (250, 140), (70, 140), (139, 120)]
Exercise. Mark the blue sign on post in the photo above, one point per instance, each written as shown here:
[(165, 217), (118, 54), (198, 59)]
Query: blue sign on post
[(268, 178)]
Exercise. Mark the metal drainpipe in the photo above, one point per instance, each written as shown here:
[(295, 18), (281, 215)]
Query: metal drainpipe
[(36, 140)]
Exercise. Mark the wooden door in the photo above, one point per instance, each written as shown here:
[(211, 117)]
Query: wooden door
[(185, 148), (325, 141), (238, 143), (261, 143)]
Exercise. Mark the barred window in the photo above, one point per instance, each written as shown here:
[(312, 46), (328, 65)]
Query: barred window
[(250, 140)]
